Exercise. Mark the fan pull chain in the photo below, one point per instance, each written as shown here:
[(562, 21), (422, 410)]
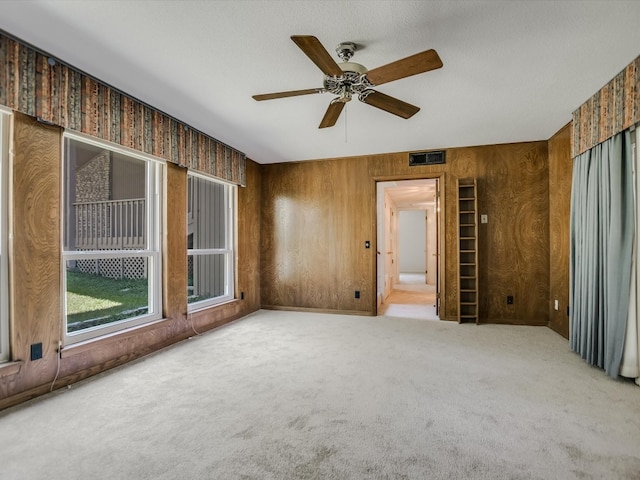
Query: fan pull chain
[(346, 107)]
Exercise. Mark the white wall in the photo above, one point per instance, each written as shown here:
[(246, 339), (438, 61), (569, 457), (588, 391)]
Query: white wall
[(412, 241)]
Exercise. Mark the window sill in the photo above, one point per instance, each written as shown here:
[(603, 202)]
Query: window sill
[(10, 368), (86, 345), (211, 307)]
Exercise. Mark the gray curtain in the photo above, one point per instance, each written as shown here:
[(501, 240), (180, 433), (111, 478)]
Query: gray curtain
[(602, 233)]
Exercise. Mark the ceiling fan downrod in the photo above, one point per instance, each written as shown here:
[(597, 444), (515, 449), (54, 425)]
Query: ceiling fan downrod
[(345, 50)]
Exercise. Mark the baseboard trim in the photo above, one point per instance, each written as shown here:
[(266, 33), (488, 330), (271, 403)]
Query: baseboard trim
[(484, 321), (317, 310)]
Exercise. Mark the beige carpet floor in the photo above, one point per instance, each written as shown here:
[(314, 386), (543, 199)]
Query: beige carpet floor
[(286, 395)]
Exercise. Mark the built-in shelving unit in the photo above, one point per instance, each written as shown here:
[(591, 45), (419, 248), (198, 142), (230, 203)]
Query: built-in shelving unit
[(467, 250)]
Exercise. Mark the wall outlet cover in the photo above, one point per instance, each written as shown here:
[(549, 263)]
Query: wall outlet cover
[(36, 351)]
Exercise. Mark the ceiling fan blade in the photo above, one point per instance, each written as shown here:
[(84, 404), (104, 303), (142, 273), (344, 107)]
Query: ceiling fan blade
[(331, 115), (313, 49), (292, 93), (390, 104), (418, 63)]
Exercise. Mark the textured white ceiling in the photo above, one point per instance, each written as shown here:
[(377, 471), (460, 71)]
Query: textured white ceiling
[(513, 70)]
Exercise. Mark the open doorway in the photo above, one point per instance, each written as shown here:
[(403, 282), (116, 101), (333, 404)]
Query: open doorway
[(408, 281)]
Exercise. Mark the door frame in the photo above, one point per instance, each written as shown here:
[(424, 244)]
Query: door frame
[(441, 283)]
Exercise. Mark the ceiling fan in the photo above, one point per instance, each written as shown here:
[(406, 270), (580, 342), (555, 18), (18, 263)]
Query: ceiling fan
[(347, 78)]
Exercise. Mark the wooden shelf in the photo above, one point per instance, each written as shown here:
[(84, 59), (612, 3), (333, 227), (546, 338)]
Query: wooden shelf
[(467, 206)]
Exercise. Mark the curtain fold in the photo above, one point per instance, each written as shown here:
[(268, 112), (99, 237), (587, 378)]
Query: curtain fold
[(602, 234), (631, 359)]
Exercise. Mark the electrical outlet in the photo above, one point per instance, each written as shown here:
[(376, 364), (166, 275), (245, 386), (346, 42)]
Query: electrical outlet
[(36, 351), (241, 295), (509, 299), (357, 293), (555, 305)]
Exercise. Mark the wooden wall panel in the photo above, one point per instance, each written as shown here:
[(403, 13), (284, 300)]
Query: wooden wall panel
[(318, 214), (35, 275), (249, 247), (35, 304), (513, 191), (313, 245), (560, 174), (174, 255)]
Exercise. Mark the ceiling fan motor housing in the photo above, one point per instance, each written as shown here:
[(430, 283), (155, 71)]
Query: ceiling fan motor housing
[(352, 82)]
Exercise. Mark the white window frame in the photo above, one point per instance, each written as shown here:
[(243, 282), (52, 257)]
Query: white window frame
[(5, 346), (152, 253), (229, 252)]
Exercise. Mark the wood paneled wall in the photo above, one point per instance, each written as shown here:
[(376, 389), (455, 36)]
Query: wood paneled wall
[(35, 275), (35, 304), (317, 216), (560, 174), (248, 238)]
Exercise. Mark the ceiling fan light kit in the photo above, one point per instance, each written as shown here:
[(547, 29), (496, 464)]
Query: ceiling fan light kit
[(347, 78)]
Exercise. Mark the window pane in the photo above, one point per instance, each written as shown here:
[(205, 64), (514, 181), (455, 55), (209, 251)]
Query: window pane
[(105, 290), (108, 212), (207, 277), (105, 199), (207, 214)]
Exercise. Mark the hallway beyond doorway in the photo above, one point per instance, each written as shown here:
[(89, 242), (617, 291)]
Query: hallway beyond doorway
[(411, 298)]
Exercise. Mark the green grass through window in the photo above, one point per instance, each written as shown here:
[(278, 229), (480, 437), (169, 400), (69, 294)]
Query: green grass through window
[(95, 300)]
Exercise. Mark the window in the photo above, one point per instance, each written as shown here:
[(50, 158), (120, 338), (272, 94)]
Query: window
[(4, 269), (112, 271), (210, 225)]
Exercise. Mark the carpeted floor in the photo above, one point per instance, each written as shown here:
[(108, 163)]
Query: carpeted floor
[(286, 395)]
